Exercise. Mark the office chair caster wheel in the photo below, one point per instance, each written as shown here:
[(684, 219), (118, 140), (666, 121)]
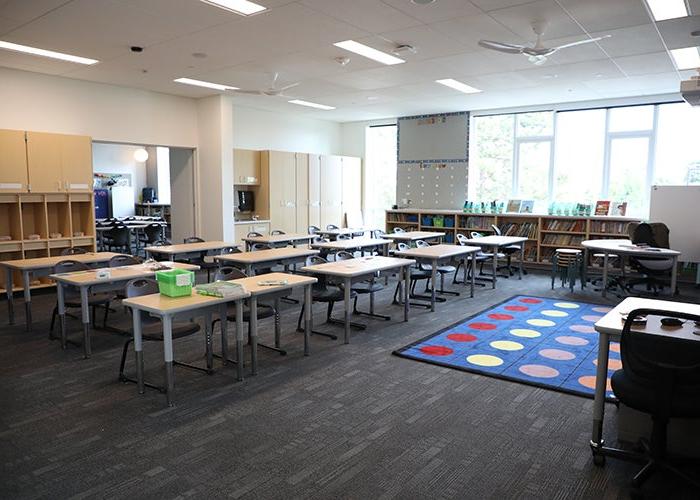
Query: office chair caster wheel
[(598, 460)]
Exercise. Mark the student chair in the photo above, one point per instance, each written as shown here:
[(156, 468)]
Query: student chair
[(417, 273), (478, 258), (441, 270), (276, 232), (474, 235), (332, 227), (399, 230), (124, 260), (314, 229), (118, 239), (656, 272), (660, 376), (508, 251), (73, 251), (151, 234), (152, 329), (367, 287)]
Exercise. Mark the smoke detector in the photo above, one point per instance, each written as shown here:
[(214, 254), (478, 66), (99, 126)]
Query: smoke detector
[(403, 48), (343, 61), (422, 2)]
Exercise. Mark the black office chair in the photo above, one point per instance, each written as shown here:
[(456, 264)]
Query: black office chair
[(73, 251), (276, 232), (253, 234), (209, 262), (118, 239), (152, 329), (508, 251), (656, 272), (193, 239), (151, 233), (441, 270), (417, 273), (660, 376), (479, 258), (124, 260), (71, 297), (367, 287)]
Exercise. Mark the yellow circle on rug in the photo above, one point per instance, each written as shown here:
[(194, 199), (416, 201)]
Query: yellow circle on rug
[(506, 345), (484, 360), (566, 305), (525, 333), (540, 322), (554, 314)]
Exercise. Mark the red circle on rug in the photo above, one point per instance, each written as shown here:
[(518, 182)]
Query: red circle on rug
[(530, 301), (516, 308), (436, 350), (462, 337), (482, 326), (500, 316)]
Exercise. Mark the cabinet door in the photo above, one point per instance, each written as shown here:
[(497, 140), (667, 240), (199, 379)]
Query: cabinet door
[(13, 162), (246, 165), (352, 190), (282, 191), (331, 190), (44, 162), (314, 192), (76, 162), (302, 179)]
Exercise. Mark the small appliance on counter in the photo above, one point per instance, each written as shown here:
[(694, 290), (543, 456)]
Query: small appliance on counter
[(244, 205)]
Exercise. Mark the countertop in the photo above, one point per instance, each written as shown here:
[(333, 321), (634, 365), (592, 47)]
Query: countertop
[(263, 221)]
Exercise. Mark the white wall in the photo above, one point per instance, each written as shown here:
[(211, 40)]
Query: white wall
[(33, 101), (119, 159), (259, 129)]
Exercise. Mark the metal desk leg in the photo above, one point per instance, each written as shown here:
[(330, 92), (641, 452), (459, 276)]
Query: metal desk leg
[(494, 260), (605, 274), (61, 313), (254, 334), (674, 276), (584, 268), (600, 386), (27, 300), (223, 318), (308, 326), (249, 270), (208, 339), (168, 357), (473, 273), (406, 288), (10, 299), (433, 282), (138, 349), (522, 259), (348, 287), (85, 311), (277, 322), (239, 339)]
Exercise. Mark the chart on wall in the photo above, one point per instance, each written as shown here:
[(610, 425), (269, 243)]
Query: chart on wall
[(433, 159)]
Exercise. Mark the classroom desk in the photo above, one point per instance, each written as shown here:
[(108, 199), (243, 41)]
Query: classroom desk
[(625, 248), (278, 239), (250, 261), (355, 244), (353, 269), (41, 266), (411, 236), (609, 328), (334, 233), (188, 250), (169, 308), (87, 281), (494, 243), (439, 253)]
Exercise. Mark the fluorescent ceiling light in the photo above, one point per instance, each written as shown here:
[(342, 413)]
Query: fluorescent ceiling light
[(667, 9), (200, 83), (46, 53), (462, 87), (242, 7), (369, 52), (311, 104), (687, 58)]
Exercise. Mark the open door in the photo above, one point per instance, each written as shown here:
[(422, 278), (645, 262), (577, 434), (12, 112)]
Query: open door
[(182, 194)]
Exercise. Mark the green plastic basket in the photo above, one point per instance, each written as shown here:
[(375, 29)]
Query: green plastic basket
[(438, 221), (175, 283)]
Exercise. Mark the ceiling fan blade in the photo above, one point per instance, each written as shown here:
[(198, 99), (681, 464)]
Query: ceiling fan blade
[(581, 42), (290, 86), (536, 52), (250, 92), (501, 47)]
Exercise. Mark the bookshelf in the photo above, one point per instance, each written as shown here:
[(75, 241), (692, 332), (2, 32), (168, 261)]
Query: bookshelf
[(545, 233)]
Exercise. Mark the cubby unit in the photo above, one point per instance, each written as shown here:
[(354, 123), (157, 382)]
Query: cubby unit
[(82, 216), (33, 210), (37, 253), (57, 210), (10, 219), (6, 254)]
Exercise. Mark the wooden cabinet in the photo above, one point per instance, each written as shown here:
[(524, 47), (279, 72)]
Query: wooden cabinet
[(282, 171), (352, 189), (76, 163), (246, 167), (59, 162), (13, 162), (331, 190), (314, 191), (302, 192)]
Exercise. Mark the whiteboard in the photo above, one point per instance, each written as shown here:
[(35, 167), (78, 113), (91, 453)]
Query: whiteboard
[(433, 138), (679, 208)]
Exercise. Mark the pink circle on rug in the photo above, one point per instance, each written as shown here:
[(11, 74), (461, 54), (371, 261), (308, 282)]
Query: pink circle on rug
[(603, 310), (568, 340), (500, 316), (591, 317), (530, 301), (516, 308), (582, 328), (557, 354), (436, 350), (482, 326), (613, 364), (539, 371), (461, 337)]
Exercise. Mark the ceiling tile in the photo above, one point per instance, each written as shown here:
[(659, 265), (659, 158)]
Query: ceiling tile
[(483, 62), (631, 41), (519, 19), (600, 15), (438, 11), (586, 52), (645, 64), (369, 15), (676, 32), (469, 30), (490, 5), (429, 42)]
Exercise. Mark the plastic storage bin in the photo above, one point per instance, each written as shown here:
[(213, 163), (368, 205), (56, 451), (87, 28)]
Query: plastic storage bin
[(449, 222), (175, 283), (426, 221), (439, 221), (411, 218)]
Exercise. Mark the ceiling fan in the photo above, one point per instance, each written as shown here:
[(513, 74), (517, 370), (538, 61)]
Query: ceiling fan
[(537, 54), (272, 91)]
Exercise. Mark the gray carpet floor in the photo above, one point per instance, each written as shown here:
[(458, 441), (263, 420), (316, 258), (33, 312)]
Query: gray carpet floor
[(350, 421)]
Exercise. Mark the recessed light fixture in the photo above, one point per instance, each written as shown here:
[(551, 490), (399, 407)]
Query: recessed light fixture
[(311, 104), (667, 9), (200, 83), (454, 84), (241, 7), (687, 58), (140, 155), (46, 53), (369, 52)]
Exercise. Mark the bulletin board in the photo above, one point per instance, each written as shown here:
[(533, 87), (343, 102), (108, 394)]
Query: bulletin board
[(678, 207)]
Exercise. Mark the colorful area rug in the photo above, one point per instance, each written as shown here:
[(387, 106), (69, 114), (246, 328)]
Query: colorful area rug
[(539, 341)]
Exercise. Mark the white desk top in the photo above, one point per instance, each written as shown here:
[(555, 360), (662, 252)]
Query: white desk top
[(413, 235), (161, 304), (358, 267), (342, 230), (436, 252), (612, 323), (122, 273), (272, 255), (625, 247), (279, 238), (351, 244), (495, 240), (48, 262), (190, 247)]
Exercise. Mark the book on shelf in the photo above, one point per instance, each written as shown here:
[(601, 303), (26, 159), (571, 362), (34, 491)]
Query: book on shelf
[(578, 226), (513, 206), (525, 229), (527, 206), (618, 208), (602, 207), (562, 239)]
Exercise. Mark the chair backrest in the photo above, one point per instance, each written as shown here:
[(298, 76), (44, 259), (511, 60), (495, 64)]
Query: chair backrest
[(141, 286), (462, 239), (193, 239), (422, 244), (73, 251), (331, 227), (226, 273), (660, 361), (402, 247), (130, 218), (312, 260), (276, 232), (496, 229), (120, 234), (228, 250), (313, 229), (152, 232), (69, 266), (377, 233), (319, 239), (399, 230), (655, 234), (475, 235), (253, 234), (342, 255), (344, 237), (260, 246), (123, 260)]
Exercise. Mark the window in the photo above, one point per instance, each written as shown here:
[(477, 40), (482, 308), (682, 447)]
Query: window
[(629, 160), (491, 164), (533, 155), (677, 159), (380, 178)]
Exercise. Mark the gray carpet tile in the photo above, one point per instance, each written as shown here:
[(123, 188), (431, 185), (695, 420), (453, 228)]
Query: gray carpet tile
[(350, 421)]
